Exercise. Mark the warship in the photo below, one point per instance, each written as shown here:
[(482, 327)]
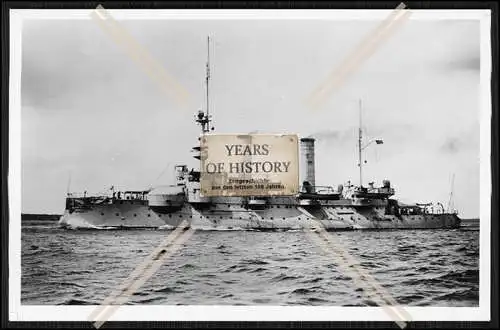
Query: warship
[(344, 207)]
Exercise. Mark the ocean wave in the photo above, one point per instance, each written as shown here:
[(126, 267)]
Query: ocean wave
[(73, 268), (73, 301), (257, 270), (77, 222), (302, 291), (253, 261), (284, 277), (167, 289), (468, 275)]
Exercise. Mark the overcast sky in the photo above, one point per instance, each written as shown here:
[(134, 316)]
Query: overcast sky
[(89, 110)]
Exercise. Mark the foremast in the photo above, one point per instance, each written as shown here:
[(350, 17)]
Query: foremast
[(203, 117)]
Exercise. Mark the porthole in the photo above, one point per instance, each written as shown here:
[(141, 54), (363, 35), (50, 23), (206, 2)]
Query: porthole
[(221, 217), (117, 214), (135, 215), (149, 215)]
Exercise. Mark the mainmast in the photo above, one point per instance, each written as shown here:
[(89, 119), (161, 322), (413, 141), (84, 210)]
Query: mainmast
[(361, 147)]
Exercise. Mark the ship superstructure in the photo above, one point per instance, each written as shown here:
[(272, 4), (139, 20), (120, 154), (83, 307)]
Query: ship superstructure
[(344, 207)]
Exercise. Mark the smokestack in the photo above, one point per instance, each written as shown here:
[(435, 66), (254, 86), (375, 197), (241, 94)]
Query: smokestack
[(307, 161)]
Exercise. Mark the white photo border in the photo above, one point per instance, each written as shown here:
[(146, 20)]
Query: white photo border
[(18, 312)]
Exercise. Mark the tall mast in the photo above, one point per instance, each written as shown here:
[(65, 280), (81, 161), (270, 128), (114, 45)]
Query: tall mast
[(360, 139), (203, 117), (208, 79)]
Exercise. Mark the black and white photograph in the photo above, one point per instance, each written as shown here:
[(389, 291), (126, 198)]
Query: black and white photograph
[(249, 165)]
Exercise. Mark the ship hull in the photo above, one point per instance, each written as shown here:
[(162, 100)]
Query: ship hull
[(222, 216), (300, 218), (112, 216)]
